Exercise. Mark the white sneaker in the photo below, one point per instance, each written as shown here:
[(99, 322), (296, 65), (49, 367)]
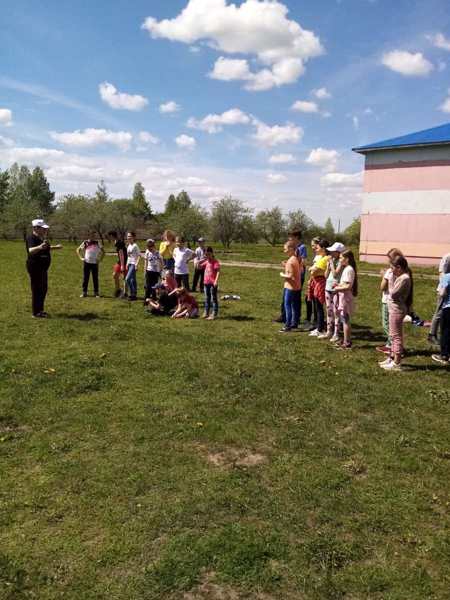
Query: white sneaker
[(323, 336), (314, 333), (392, 366), (334, 339), (385, 362)]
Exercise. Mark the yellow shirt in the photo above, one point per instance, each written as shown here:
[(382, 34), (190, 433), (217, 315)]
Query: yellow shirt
[(166, 249), (320, 265)]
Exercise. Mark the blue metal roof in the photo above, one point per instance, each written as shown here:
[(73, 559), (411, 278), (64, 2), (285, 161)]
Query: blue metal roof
[(435, 135)]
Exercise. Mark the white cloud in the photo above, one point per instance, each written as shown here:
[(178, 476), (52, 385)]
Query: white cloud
[(4, 141), (5, 117), (305, 106), (119, 100), (321, 93), (282, 159), (407, 63), (169, 107), (445, 106), (185, 141), (254, 28), (215, 123), (275, 178), (321, 157), (355, 121), (342, 180), (89, 138), (147, 138), (440, 41), (276, 135), (95, 174)]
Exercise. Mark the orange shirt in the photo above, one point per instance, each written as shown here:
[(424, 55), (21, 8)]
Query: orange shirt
[(293, 270)]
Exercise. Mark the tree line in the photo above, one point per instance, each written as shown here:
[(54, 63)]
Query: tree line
[(26, 194)]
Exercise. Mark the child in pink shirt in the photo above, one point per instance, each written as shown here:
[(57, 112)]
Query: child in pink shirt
[(212, 272)]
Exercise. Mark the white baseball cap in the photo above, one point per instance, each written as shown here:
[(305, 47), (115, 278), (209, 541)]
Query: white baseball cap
[(39, 223), (336, 247)]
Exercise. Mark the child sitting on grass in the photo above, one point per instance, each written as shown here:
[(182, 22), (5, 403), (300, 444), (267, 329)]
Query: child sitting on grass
[(187, 305)]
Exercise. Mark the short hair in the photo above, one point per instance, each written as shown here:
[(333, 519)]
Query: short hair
[(209, 249), (291, 245), (296, 233), (112, 233)]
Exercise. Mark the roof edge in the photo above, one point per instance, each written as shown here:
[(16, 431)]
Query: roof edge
[(366, 149)]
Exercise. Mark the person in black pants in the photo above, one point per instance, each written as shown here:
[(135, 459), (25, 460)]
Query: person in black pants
[(38, 263), (93, 254)]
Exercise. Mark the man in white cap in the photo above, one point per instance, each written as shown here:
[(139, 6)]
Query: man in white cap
[(38, 263)]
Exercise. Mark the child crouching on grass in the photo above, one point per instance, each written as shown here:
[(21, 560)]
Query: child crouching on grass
[(187, 307), (347, 290), (211, 268)]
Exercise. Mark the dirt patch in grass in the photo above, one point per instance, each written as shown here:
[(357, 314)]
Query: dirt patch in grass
[(209, 590), (231, 458)]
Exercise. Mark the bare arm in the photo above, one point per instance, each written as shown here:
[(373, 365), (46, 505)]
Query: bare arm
[(79, 250)]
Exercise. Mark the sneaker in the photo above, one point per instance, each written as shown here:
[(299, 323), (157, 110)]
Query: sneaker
[(323, 336), (314, 333), (211, 318), (38, 316), (443, 360), (97, 295), (205, 315), (285, 330), (385, 362), (392, 366), (83, 295), (344, 346), (335, 339), (383, 349)]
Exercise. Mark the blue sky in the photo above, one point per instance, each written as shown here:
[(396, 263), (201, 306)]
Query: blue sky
[(261, 100)]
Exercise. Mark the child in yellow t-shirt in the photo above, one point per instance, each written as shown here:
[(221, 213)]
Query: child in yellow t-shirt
[(318, 282), (166, 249)]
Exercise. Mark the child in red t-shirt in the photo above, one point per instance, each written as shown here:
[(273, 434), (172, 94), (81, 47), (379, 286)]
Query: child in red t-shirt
[(187, 305), (211, 281)]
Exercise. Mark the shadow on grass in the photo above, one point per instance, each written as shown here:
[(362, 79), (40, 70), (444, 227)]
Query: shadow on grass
[(241, 318), (82, 316)]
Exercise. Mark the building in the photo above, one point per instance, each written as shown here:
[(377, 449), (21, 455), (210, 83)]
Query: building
[(406, 200)]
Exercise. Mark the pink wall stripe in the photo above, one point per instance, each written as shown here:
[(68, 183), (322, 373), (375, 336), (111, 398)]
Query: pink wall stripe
[(431, 229), (404, 179)]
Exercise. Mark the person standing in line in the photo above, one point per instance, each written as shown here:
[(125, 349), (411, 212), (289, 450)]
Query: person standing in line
[(182, 255), (211, 268), (332, 275), (347, 290), (91, 254), (292, 288), (153, 267), (301, 253), (310, 323), (166, 248), (38, 263), (134, 255), (444, 267), (444, 296), (317, 284), (199, 270), (400, 302), (386, 288), (120, 268)]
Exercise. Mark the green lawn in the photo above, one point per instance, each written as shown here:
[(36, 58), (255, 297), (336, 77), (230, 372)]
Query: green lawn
[(142, 458)]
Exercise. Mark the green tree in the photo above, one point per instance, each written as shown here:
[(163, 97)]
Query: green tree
[(352, 233), (271, 225), (140, 207), (175, 204), (4, 189), (191, 223), (121, 215), (98, 211), (39, 191), (248, 230), (328, 231), (298, 221), (72, 215), (226, 220), (20, 207)]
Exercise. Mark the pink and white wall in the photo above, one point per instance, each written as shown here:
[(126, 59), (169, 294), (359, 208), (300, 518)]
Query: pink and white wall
[(406, 204)]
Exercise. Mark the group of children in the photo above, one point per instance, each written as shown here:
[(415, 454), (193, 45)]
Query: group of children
[(166, 270), (332, 286)]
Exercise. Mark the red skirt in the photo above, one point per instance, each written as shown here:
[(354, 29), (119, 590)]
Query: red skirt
[(318, 289)]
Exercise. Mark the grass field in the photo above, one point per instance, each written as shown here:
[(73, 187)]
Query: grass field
[(142, 458)]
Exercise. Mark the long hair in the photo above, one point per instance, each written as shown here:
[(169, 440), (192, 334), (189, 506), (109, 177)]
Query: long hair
[(348, 254), (400, 261)]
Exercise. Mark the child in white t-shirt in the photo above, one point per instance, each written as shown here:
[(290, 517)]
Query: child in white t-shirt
[(347, 289), (153, 266), (133, 257), (199, 269), (182, 255), (90, 253)]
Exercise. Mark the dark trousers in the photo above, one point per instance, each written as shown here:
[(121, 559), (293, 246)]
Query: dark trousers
[(445, 332), (151, 279), (199, 276), (39, 286), (320, 315), (292, 303), (311, 311), (211, 299), (88, 270), (183, 281)]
